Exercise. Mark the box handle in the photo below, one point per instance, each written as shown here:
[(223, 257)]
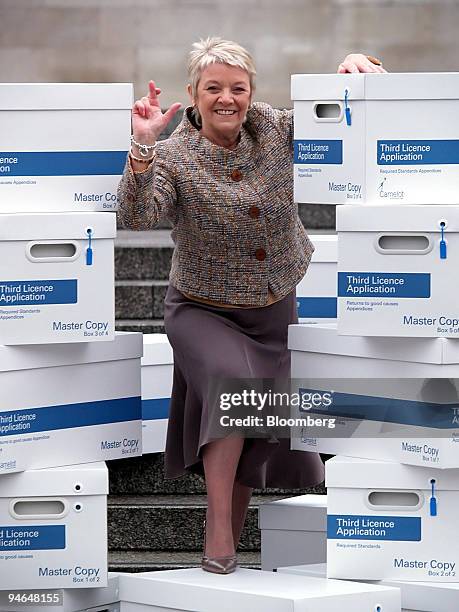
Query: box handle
[(385, 499), (403, 244), (328, 112), (52, 251), (38, 508)]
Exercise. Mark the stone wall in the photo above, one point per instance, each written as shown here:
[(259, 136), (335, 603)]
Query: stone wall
[(135, 40)]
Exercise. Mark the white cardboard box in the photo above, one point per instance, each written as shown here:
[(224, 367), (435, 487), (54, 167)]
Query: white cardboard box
[(387, 520), (53, 531), (392, 279), (157, 374), (249, 591), (388, 393), (293, 531), (416, 596), (68, 147), (316, 293), (53, 289), (85, 600), (66, 404), (401, 146)]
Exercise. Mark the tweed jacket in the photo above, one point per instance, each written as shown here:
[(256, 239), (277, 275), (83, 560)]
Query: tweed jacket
[(235, 226)]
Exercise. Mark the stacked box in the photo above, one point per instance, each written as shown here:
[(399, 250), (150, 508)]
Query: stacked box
[(249, 591), (157, 374), (67, 398), (66, 404), (68, 147), (387, 520), (293, 531), (316, 293), (53, 528), (376, 138), (58, 286), (395, 271), (384, 385), (406, 396), (416, 596)]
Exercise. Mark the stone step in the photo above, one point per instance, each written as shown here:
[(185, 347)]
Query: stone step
[(145, 326), (143, 255), (140, 299), (317, 217), (147, 561), (145, 476), (170, 522)]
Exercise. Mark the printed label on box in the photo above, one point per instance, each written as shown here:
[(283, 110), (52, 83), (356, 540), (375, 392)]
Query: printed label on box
[(398, 285), (13, 293), (32, 537), (417, 152), (318, 151), (358, 527), (62, 163)]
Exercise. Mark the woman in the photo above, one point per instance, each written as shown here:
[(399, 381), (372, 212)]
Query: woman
[(224, 179)]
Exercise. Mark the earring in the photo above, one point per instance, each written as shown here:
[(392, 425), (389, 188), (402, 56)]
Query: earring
[(196, 116)]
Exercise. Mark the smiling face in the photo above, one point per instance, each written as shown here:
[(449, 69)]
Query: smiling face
[(223, 97)]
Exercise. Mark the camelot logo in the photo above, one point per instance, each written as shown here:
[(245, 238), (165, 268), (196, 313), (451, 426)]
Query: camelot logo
[(389, 195)]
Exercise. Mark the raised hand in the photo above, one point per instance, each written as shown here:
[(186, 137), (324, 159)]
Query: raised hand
[(148, 121)]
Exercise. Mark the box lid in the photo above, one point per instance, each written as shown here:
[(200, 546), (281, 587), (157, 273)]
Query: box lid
[(57, 226), (65, 96), (412, 86), (326, 247), (252, 591), (327, 86), (302, 513), (349, 472), (156, 350), (450, 350), (376, 86), (126, 345), (397, 219), (324, 339), (416, 596), (71, 480)]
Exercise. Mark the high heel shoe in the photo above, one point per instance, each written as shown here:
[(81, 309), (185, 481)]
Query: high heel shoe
[(217, 565)]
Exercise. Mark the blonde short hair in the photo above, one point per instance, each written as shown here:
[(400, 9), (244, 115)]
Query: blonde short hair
[(216, 50)]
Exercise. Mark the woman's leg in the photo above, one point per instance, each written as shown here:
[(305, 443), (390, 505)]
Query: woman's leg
[(220, 460), (241, 500)]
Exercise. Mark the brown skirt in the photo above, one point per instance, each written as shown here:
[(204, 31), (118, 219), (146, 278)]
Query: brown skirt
[(212, 342)]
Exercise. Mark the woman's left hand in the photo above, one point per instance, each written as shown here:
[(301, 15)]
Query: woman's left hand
[(357, 62)]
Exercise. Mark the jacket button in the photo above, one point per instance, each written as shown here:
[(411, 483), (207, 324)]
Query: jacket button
[(254, 212), (260, 254), (236, 175)]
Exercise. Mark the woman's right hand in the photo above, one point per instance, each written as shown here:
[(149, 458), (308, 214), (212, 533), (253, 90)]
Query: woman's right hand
[(148, 121)]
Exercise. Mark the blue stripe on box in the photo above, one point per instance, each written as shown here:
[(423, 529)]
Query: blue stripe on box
[(63, 163), (68, 416), (387, 409), (400, 528), (318, 152), (392, 152), (317, 307), (370, 285), (38, 292), (35, 537), (153, 409)]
